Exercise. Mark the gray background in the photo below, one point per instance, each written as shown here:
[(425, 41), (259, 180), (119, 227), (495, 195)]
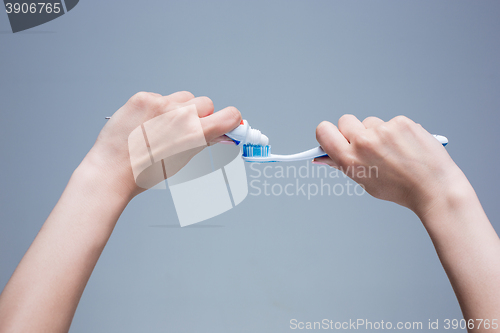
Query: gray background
[(287, 65)]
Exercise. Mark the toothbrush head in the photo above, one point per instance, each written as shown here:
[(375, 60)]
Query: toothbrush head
[(250, 150)]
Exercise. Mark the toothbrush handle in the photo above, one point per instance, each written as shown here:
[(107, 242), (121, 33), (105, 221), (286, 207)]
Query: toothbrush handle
[(305, 155), (310, 154), (442, 139)]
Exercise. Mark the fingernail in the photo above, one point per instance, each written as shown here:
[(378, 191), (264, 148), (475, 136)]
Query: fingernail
[(318, 163), (227, 142)]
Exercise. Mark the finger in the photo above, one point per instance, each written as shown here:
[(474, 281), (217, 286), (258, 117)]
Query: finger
[(372, 122), (349, 126), (332, 141), (204, 105), (221, 122), (223, 139), (180, 97), (325, 160)]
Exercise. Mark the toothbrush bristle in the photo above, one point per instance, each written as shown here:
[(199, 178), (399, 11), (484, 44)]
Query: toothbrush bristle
[(256, 150)]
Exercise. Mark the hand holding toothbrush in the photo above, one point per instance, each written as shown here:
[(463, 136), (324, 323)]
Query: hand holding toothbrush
[(414, 170), (409, 161)]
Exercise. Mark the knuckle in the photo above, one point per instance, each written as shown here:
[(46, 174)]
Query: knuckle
[(361, 140), (165, 101), (187, 94), (161, 104), (141, 98), (402, 121), (382, 130), (370, 119), (364, 142)]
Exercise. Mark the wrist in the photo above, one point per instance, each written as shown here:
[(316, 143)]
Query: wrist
[(448, 196), (106, 176)]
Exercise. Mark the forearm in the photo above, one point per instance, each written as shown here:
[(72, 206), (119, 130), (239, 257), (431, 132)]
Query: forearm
[(43, 292), (469, 250)]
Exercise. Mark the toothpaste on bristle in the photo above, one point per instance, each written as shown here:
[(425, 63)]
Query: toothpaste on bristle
[(264, 140)]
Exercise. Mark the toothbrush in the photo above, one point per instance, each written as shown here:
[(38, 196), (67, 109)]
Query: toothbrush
[(256, 148)]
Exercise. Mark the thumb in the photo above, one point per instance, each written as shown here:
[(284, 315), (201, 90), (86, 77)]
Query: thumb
[(332, 142), (221, 122)]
